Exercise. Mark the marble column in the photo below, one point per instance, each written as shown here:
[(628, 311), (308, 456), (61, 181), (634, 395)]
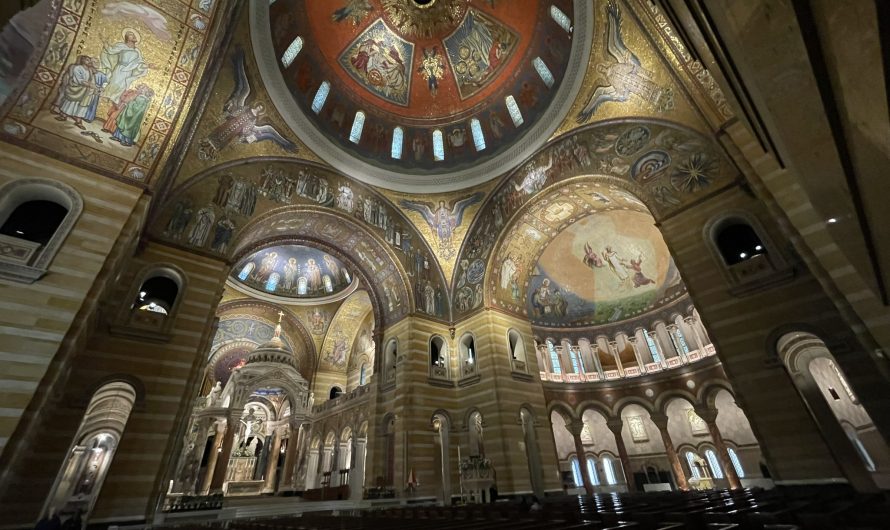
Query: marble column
[(661, 421), (222, 461), (615, 425), (575, 427), (663, 339), (357, 474), (272, 463), (287, 481), (213, 457), (709, 416)]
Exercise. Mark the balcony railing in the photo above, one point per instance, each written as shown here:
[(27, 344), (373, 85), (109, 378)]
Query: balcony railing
[(632, 371)]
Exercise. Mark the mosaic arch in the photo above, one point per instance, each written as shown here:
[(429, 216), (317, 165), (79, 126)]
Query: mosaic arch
[(139, 61), (663, 166), (216, 209), (419, 97), (338, 343), (247, 324)]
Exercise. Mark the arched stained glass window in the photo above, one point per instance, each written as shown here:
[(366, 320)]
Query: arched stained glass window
[(561, 18), (245, 272), (554, 358), (653, 348), (714, 464), (272, 282), (609, 471), (577, 365), (362, 374), (736, 463), (576, 473), (478, 137), (292, 51), (438, 146), (398, 138), (690, 461), (679, 340), (543, 71), (513, 110), (357, 125), (321, 96), (591, 471)]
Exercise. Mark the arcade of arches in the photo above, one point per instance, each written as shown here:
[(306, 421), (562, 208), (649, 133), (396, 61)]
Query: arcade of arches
[(367, 250)]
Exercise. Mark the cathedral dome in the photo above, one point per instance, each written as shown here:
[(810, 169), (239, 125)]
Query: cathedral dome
[(429, 94), (295, 272)]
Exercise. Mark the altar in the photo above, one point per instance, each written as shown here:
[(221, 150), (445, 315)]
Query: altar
[(476, 479)]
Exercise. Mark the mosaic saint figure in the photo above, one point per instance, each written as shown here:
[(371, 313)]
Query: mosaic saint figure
[(129, 119), (242, 119), (267, 266), (313, 275), (382, 66), (290, 273), (432, 68), (616, 264), (639, 278), (624, 76), (124, 64), (443, 219), (203, 225), (333, 266), (76, 92)]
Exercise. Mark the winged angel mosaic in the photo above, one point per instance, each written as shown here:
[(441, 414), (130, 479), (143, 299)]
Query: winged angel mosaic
[(624, 75), (443, 219), (242, 119)]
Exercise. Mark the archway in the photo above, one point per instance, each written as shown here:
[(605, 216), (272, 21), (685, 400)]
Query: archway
[(80, 479), (532, 452), (858, 448)]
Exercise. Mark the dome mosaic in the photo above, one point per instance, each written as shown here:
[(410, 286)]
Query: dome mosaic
[(422, 89), (294, 271)]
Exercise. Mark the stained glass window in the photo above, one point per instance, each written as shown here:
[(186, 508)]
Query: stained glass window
[(714, 464), (554, 358), (361, 375), (513, 109), (292, 51), (679, 340), (321, 96), (245, 272), (576, 473), (272, 282), (591, 471), (302, 285), (653, 348), (561, 18), (577, 366), (543, 71), (690, 461), (609, 471), (478, 137), (397, 140), (357, 125), (736, 463), (438, 146)]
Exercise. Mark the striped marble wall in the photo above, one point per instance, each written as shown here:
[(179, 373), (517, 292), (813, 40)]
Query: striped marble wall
[(36, 318)]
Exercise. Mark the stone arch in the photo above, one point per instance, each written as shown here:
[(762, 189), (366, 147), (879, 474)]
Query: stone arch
[(563, 409), (707, 391), (619, 405), (269, 208), (664, 399), (594, 405), (538, 176)]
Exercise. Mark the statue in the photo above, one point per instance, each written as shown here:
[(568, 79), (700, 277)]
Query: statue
[(252, 424), (214, 395)]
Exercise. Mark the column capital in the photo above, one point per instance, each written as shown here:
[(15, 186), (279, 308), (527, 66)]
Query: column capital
[(615, 425), (660, 420), (575, 427), (707, 414)]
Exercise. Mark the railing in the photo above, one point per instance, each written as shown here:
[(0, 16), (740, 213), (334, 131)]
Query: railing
[(632, 371), (342, 399)]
